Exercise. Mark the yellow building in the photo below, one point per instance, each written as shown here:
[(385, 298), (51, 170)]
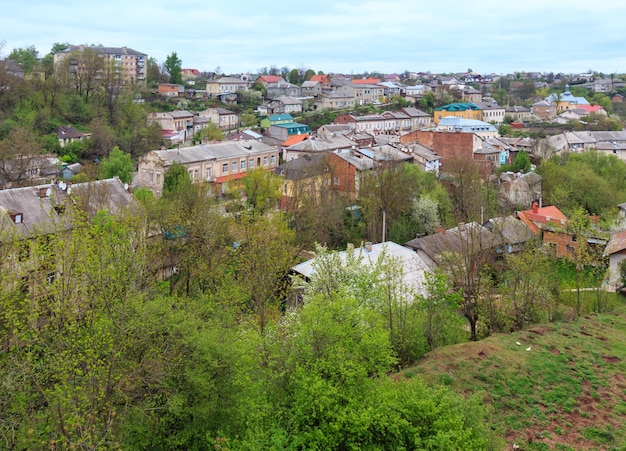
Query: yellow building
[(465, 110)]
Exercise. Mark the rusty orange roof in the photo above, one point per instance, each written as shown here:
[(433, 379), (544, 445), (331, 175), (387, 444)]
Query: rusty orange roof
[(294, 139), (319, 78), (270, 78), (590, 108), (544, 215), (366, 81)]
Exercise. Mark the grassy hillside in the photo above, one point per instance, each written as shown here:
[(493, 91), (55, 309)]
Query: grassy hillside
[(563, 387)]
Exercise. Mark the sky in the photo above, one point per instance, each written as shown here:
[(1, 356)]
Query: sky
[(336, 36)]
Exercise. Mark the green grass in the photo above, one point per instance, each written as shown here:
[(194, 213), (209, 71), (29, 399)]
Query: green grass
[(567, 392)]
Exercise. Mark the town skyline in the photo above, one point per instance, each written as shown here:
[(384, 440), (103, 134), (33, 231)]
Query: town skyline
[(339, 37)]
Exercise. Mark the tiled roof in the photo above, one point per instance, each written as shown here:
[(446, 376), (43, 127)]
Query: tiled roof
[(543, 215), (295, 139), (616, 244)]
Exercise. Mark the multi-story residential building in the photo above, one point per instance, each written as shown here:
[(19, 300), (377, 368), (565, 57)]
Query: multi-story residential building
[(223, 118), (130, 65), (518, 112), (464, 110), (419, 119), (335, 100), (180, 122), (218, 163), (227, 85), (470, 94), (492, 112), (543, 110)]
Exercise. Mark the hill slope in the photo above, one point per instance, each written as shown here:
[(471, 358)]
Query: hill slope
[(562, 387)]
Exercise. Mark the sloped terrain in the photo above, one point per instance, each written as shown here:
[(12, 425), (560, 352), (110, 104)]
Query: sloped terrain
[(558, 386)]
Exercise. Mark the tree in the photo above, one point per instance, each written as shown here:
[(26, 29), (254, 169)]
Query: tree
[(82, 70), (173, 65), (463, 255), (440, 306), (19, 152), (176, 180), (118, 163), (249, 120), (426, 215), (264, 255), (385, 194), (294, 77), (26, 57), (262, 190), (522, 162), (211, 133)]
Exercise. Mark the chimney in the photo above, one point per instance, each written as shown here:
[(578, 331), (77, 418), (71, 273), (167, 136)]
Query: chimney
[(368, 246), (535, 207)]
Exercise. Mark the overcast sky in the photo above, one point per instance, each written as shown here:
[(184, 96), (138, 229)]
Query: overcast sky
[(337, 36)]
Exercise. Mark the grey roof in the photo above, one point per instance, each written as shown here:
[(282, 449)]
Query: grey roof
[(310, 84), (414, 112), (469, 238), (509, 230), (37, 204), (215, 151), (222, 111), (180, 114), (424, 152), (361, 163), (183, 155), (414, 268), (102, 50), (320, 144), (301, 168), (68, 132), (488, 106)]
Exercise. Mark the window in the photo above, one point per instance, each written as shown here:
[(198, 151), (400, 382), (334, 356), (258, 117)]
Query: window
[(208, 174), (234, 166), (258, 161), (251, 163), (336, 181), (225, 168), (158, 178), (242, 165), (273, 159), (151, 177), (265, 161)]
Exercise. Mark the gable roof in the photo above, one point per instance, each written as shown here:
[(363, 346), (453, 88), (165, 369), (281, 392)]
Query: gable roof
[(68, 132), (366, 81), (465, 238), (270, 78), (616, 244), (37, 204), (537, 218), (294, 139), (414, 268)]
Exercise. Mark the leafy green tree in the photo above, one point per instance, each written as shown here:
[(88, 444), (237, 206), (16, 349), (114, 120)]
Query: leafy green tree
[(522, 162), (309, 74), (294, 77), (262, 190), (440, 306), (249, 120), (27, 57), (211, 132), (176, 180), (118, 163), (173, 65)]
